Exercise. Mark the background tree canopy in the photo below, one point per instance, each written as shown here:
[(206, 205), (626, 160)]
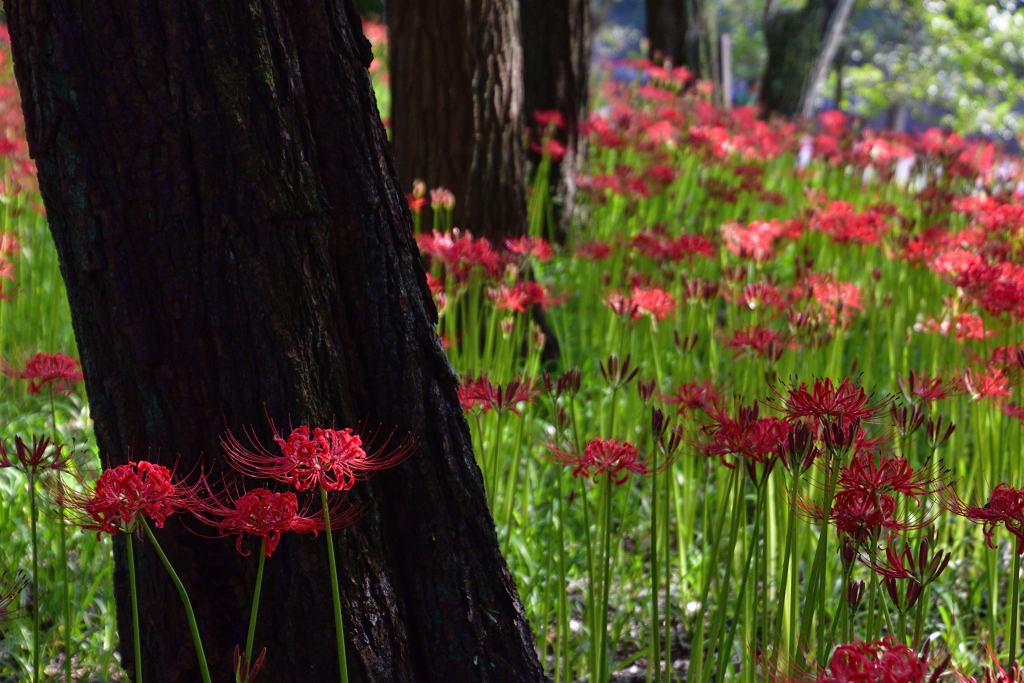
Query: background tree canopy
[(915, 63)]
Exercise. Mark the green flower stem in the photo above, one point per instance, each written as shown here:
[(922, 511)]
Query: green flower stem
[(492, 464), (1014, 604), (255, 604), (607, 578), (196, 640), (62, 540), (33, 517), (135, 609), (339, 629), (655, 630), (726, 644), (710, 569), (563, 600), (592, 576)]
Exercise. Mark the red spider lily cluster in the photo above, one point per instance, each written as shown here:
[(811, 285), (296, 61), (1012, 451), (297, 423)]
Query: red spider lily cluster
[(603, 456), (886, 660), (825, 402), (261, 513), (115, 501), (521, 295), (331, 459), (653, 302), (42, 370), (1005, 509), (745, 436)]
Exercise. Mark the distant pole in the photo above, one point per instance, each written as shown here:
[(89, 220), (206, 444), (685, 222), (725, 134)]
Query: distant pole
[(726, 47)]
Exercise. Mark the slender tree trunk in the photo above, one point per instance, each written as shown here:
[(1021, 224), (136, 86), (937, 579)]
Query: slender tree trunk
[(683, 31), (457, 106), (801, 45), (556, 76), (234, 240)]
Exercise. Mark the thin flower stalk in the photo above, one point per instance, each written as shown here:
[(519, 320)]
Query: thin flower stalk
[(197, 641)]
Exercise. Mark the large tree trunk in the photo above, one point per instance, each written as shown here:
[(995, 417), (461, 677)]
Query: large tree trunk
[(457, 106), (234, 240), (556, 76), (801, 45), (683, 31)]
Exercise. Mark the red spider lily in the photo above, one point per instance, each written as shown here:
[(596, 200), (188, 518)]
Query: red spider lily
[(594, 251), (991, 384), (1007, 358), (36, 458), (331, 459), (514, 299), (661, 248), (747, 436), (840, 301), (924, 388), (473, 393), (530, 246), (436, 286), (756, 240), (261, 513), (759, 295), (553, 149), (10, 592), (995, 673), (965, 325), (603, 456), (548, 118), (833, 122), (762, 341), (416, 203), (1011, 409), (843, 224), (114, 502), (694, 396), (461, 252), (826, 402), (888, 474), (878, 661), (862, 516), (44, 369), (654, 302), (1006, 507)]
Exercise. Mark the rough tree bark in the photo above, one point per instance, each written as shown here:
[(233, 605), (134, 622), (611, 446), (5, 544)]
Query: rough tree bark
[(457, 106), (684, 32), (234, 240), (801, 45), (556, 76)]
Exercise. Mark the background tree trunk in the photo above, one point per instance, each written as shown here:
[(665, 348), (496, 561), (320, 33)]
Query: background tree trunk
[(684, 32), (556, 76), (234, 240), (457, 106), (801, 44)]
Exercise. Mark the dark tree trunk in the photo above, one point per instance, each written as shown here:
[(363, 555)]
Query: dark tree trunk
[(457, 106), (556, 76), (683, 31), (233, 239), (801, 45)]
